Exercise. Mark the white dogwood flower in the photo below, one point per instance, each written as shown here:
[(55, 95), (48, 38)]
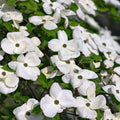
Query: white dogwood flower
[(64, 66), (66, 3), (49, 6), (50, 72), (87, 6), (10, 13), (108, 115), (37, 42), (79, 77), (26, 66), (24, 112), (113, 2), (48, 22), (8, 81), (63, 13), (88, 45), (117, 70), (57, 101), (111, 56), (86, 107), (17, 43), (66, 49), (113, 89)]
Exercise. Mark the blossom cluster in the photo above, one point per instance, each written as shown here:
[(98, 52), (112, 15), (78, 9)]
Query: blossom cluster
[(67, 55)]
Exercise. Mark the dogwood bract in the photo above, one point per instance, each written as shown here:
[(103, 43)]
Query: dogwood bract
[(66, 49), (24, 112), (8, 81), (86, 107), (57, 101), (17, 43), (26, 66)]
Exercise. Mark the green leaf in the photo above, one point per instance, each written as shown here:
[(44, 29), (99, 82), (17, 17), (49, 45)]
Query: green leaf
[(36, 110), (8, 25), (30, 4), (5, 117), (56, 117), (42, 79), (11, 2), (14, 57), (95, 57), (30, 27), (6, 67), (99, 114), (73, 7), (17, 97), (52, 33)]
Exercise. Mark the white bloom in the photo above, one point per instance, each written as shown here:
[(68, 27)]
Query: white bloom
[(8, 81), (115, 78), (97, 64), (66, 49), (88, 45), (26, 66), (66, 3), (92, 22), (106, 42), (24, 112), (117, 70), (104, 45), (49, 6), (48, 22), (78, 78), (86, 107), (108, 115), (85, 84), (113, 2), (64, 13), (57, 101), (113, 89), (9, 13), (23, 30), (17, 43), (64, 66), (87, 6), (37, 42), (80, 13), (50, 72), (109, 62)]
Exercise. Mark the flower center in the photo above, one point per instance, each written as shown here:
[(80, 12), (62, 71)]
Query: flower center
[(80, 77), (25, 64), (64, 45), (17, 45), (88, 104), (28, 113), (85, 41), (3, 73), (108, 53), (43, 20), (104, 44), (56, 102), (117, 91), (51, 5), (68, 62)]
